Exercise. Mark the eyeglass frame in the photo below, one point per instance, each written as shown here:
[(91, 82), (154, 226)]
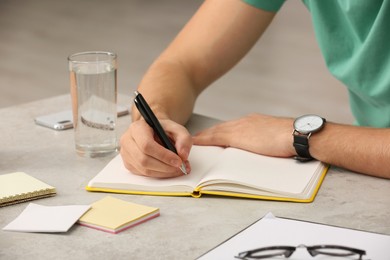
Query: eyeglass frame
[(289, 250)]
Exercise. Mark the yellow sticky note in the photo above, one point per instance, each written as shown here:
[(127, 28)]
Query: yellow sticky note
[(115, 215)]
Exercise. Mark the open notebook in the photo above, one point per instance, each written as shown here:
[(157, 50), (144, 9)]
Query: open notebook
[(19, 187), (225, 172)]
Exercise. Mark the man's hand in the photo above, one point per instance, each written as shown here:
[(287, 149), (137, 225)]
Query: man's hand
[(256, 133), (142, 153)]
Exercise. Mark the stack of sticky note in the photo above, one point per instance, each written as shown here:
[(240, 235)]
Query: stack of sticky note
[(115, 215), (108, 214)]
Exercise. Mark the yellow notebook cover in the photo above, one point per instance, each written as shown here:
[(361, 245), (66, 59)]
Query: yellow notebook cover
[(18, 187), (115, 215), (224, 172)]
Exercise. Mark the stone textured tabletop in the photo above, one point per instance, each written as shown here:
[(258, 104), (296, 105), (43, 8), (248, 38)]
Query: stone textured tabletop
[(187, 227)]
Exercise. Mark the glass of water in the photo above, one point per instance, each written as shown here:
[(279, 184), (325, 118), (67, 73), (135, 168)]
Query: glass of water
[(93, 91)]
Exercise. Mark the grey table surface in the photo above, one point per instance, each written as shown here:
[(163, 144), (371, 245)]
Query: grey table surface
[(187, 227)]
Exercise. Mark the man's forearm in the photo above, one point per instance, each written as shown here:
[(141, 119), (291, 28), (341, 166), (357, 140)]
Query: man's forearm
[(361, 149), (169, 91)]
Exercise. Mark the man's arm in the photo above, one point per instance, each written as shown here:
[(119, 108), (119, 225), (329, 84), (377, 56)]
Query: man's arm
[(212, 42), (360, 149)]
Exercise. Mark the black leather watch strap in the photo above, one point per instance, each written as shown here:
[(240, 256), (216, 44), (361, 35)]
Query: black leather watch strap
[(301, 144)]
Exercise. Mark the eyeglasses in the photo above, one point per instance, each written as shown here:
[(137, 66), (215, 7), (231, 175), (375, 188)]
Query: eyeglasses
[(287, 251)]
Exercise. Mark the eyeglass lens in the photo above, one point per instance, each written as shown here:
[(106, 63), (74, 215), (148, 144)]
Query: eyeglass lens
[(335, 250), (267, 252)]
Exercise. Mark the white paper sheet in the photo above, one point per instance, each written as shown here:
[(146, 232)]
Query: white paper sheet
[(50, 219), (272, 231)]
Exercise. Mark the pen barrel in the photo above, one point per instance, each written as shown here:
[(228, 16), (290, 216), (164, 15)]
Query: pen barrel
[(147, 113)]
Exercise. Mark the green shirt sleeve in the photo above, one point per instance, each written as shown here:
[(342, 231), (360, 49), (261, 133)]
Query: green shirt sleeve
[(354, 40), (267, 5)]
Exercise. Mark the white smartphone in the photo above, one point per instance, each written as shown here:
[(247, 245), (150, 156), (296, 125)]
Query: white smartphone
[(64, 120)]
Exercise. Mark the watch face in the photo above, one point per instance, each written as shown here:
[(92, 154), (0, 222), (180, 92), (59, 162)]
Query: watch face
[(308, 124)]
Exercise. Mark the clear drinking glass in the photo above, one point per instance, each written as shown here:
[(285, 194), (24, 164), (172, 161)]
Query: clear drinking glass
[(93, 91)]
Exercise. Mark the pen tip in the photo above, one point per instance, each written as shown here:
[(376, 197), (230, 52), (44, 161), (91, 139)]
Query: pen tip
[(183, 168)]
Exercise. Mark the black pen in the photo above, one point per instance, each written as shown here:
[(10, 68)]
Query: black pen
[(147, 113)]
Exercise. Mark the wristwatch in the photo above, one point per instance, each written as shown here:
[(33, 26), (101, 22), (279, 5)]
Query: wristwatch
[(304, 127)]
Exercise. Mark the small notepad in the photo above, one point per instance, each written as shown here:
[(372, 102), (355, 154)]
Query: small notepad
[(19, 187), (47, 219), (115, 215)]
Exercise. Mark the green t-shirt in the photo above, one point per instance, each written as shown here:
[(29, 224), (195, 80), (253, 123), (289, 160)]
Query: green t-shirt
[(354, 39)]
